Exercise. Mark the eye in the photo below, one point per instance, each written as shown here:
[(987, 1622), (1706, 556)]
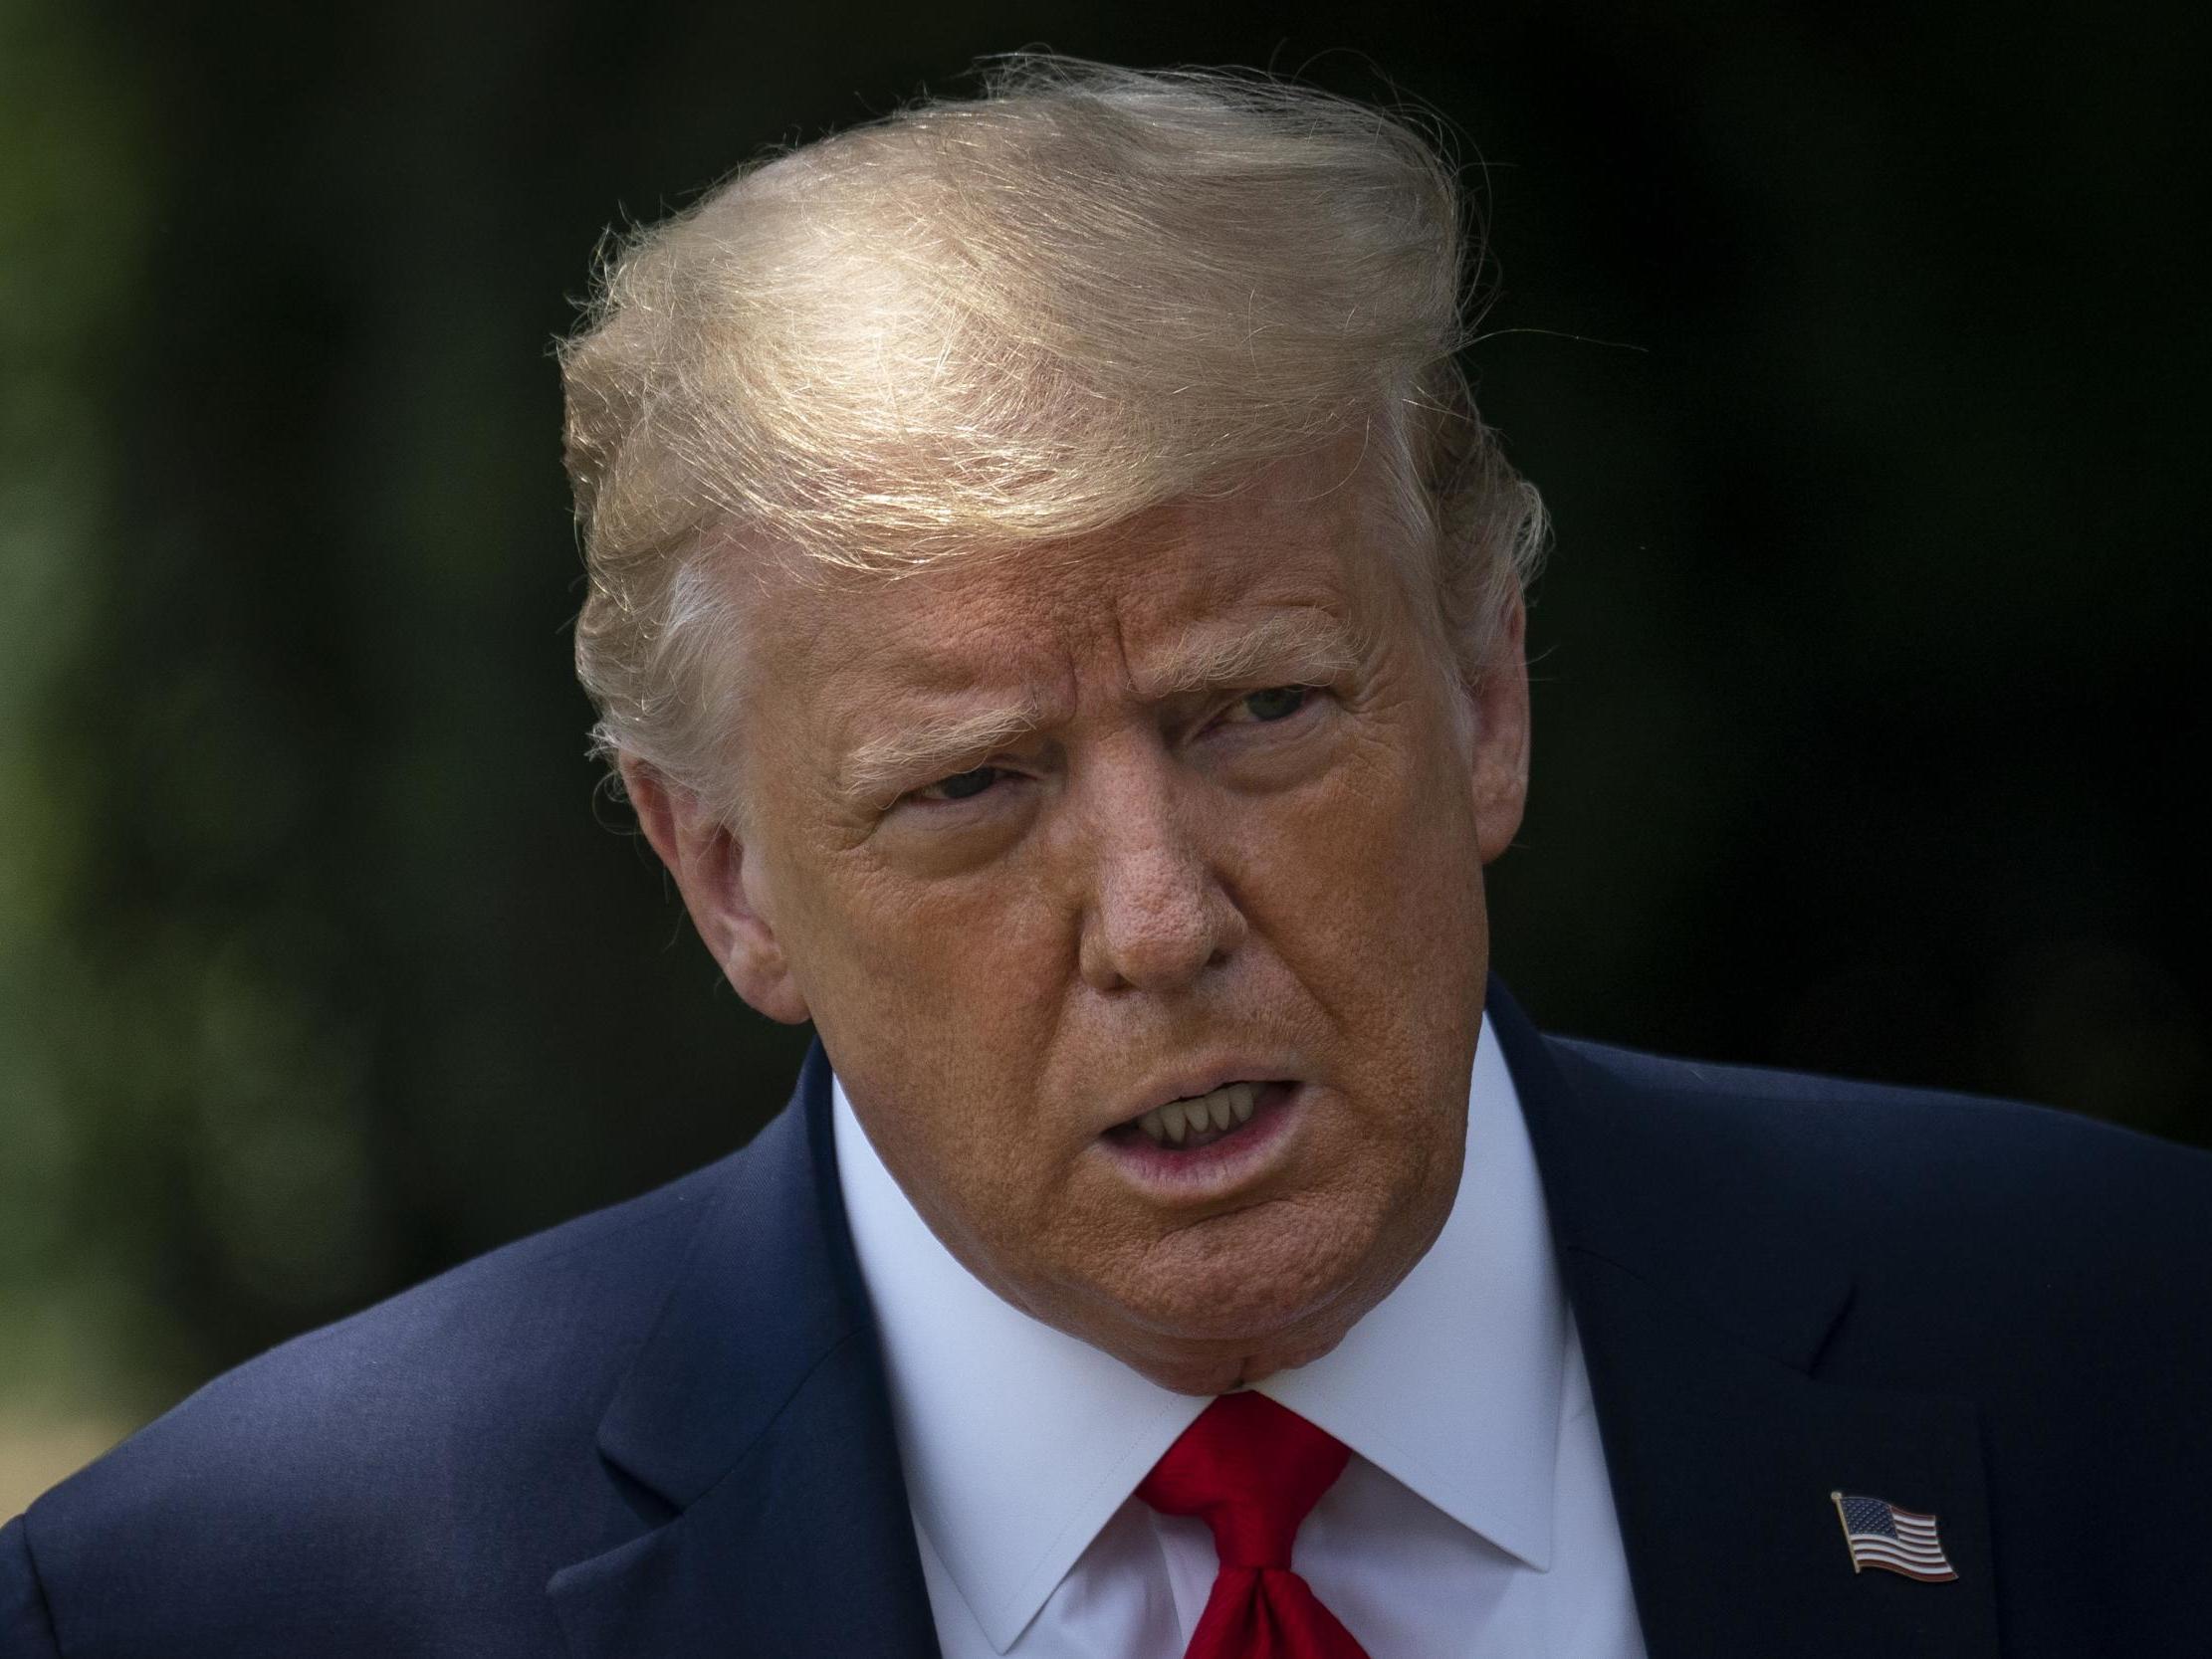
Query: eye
[(960, 786), (1278, 702)]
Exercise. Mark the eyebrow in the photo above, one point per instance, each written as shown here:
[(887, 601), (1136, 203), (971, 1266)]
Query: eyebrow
[(879, 768), (1304, 647)]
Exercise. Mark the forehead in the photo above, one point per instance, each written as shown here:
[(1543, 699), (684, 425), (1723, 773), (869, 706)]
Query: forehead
[(1304, 534)]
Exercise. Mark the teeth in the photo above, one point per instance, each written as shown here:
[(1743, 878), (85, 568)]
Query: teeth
[(1218, 1112)]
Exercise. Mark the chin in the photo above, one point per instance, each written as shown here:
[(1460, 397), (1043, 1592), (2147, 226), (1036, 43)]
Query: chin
[(1218, 1355), (1294, 1286)]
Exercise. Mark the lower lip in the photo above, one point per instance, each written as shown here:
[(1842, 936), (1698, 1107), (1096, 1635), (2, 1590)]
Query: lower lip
[(1216, 1169)]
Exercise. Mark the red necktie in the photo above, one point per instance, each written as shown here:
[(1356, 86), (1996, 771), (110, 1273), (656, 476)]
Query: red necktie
[(1251, 1470)]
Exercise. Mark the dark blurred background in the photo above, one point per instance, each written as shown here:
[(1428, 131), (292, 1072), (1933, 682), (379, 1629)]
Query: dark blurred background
[(1860, 352)]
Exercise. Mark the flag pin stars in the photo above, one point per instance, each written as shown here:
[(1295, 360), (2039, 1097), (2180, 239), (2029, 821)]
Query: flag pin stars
[(1897, 1540)]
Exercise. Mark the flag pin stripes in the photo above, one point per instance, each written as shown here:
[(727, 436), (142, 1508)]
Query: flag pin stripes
[(1898, 1540)]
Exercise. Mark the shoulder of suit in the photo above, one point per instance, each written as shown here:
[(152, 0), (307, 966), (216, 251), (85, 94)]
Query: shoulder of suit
[(456, 1416), (1933, 1182)]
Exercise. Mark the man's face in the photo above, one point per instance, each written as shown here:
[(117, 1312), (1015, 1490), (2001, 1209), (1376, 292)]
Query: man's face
[(1047, 841)]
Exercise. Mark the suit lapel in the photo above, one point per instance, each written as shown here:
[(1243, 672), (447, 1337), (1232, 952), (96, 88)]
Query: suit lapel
[(755, 1421), (1702, 1302)]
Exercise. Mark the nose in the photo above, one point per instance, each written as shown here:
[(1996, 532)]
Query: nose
[(1158, 914)]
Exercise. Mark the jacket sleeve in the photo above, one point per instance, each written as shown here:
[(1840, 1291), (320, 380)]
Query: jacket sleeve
[(26, 1624)]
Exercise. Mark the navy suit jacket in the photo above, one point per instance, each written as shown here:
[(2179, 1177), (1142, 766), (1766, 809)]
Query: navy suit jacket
[(661, 1431)]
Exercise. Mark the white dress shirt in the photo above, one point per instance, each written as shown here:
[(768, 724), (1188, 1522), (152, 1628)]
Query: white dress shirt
[(1474, 1519)]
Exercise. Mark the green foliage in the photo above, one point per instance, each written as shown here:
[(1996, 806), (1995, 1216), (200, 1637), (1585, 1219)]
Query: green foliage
[(72, 210)]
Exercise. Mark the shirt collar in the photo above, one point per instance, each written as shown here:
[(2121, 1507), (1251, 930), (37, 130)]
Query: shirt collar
[(1020, 1442)]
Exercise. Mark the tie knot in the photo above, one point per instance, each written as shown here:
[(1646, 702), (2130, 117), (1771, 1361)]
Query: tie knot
[(1251, 1470)]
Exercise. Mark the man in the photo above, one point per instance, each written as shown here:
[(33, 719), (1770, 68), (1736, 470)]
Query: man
[(1057, 615)]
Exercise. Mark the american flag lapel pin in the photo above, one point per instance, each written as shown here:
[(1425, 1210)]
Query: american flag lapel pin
[(1898, 1540)]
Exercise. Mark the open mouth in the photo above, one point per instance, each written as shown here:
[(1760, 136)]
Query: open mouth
[(1200, 1121)]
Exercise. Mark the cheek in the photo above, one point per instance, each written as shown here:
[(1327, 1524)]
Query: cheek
[(1373, 869), (938, 1004), (971, 962)]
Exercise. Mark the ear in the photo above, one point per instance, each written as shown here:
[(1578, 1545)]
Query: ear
[(719, 889), (1502, 738)]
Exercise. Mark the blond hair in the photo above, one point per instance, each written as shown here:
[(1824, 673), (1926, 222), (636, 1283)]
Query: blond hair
[(995, 322)]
